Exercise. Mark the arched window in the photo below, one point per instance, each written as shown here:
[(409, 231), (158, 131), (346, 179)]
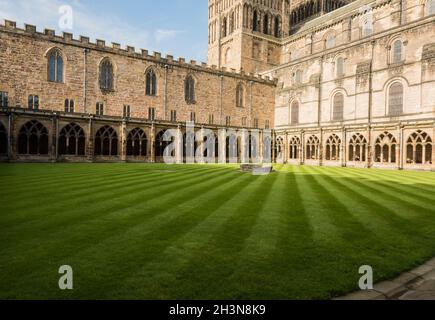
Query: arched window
[(228, 55), (419, 148), (266, 24), (395, 104), (137, 143), (224, 27), (339, 66), (55, 66), (3, 140), (33, 139), (330, 41), (385, 148), (338, 107), (160, 146), (294, 113), (240, 96), (397, 51), (298, 76), (72, 140), (312, 152), (255, 21), (189, 90), (277, 27), (106, 75), (430, 7), (106, 142), (367, 27), (295, 144), (358, 148), (333, 148), (151, 83)]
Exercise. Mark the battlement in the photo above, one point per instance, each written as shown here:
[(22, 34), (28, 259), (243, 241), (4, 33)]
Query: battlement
[(67, 38)]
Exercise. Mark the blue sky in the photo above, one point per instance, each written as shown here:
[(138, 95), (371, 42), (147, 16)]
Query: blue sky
[(177, 27)]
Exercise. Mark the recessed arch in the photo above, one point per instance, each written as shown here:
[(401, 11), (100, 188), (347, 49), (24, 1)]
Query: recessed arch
[(106, 142), (419, 148), (72, 140), (33, 139)]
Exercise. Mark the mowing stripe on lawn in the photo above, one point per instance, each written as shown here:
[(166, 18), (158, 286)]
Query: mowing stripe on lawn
[(396, 202), (89, 196), (159, 274), (88, 215), (115, 238), (224, 247)]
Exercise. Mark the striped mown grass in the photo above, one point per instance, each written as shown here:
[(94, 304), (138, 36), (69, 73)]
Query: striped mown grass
[(142, 231)]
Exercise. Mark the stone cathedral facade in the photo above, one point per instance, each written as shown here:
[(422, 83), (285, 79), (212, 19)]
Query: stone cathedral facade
[(339, 83), (355, 79)]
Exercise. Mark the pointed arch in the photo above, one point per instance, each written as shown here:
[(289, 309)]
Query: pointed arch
[(33, 139), (150, 82), (313, 148), (106, 142), (137, 143), (358, 148), (385, 148), (189, 89), (72, 140), (55, 65), (333, 148), (294, 146), (106, 75), (419, 148)]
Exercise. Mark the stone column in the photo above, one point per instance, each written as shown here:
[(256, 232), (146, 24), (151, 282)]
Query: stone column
[(123, 134), (153, 144), (286, 148), (179, 146), (90, 144), (243, 140)]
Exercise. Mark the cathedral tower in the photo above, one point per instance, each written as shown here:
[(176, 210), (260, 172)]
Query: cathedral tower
[(245, 34)]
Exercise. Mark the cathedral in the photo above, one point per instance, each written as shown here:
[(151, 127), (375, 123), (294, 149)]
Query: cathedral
[(332, 82)]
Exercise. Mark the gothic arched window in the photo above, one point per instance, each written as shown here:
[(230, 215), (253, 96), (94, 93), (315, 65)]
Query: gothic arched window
[(106, 142), (240, 96), (106, 75), (72, 140), (255, 21), (151, 83), (295, 144), (419, 148), (189, 90), (33, 139), (385, 148), (137, 143), (397, 51), (338, 107), (312, 152), (330, 41), (55, 66), (333, 146), (339, 67), (395, 99), (358, 148), (294, 118)]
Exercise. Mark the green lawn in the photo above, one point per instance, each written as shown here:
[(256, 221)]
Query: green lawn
[(137, 231)]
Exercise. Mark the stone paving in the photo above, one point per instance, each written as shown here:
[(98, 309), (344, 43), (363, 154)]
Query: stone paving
[(418, 284)]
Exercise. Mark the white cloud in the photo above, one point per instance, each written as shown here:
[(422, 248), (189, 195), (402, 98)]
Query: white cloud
[(163, 35), (45, 14)]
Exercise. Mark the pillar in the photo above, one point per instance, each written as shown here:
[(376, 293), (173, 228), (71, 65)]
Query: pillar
[(123, 140), (90, 141), (153, 144)]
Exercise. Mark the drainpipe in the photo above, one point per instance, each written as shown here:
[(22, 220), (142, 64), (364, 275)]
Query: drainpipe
[(85, 80), (166, 93)]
